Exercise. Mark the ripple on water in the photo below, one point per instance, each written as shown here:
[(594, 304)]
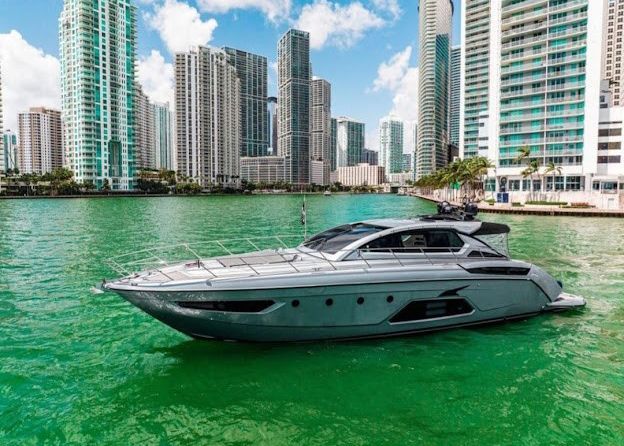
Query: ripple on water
[(82, 368)]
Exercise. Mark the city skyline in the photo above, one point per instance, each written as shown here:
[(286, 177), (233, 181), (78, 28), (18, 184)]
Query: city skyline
[(371, 47)]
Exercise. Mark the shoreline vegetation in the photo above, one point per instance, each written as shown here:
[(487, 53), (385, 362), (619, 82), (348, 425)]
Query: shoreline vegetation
[(60, 183)]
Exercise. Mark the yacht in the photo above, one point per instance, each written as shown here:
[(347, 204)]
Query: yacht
[(367, 279)]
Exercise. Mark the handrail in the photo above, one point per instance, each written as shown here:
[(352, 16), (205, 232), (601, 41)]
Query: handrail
[(128, 265)]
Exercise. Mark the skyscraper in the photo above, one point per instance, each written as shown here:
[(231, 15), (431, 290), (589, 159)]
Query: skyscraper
[(3, 166), (414, 145), (294, 81), (9, 157), (272, 118), (407, 162), (480, 54), (163, 137), (434, 83), (145, 156), (539, 90), (454, 113), (98, 55), (391, 144), (350, 141), (40, 148), (321, 126), (207, 93), (370, 157), (333, 144), (251, 70), (549, 89), (614, 50)]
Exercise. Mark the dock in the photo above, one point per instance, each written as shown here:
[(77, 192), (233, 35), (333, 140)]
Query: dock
[(552, 211)]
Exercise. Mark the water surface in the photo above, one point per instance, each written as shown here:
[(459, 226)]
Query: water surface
[(76, 367)]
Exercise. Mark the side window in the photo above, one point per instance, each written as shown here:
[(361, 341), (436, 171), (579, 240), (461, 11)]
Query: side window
[(443, 238), (428, 240)]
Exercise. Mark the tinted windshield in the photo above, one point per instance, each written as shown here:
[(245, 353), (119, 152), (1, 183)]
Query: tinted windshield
[(335, 239)]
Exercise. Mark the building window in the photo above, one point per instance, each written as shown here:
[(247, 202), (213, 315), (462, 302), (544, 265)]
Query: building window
[(609, 159), (610, 132), (609, 145), (559, 183), (574, 183)]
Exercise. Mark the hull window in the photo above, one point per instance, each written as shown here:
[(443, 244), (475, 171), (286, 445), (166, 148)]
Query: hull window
[(500, 270), (230, 306), (432, 309)]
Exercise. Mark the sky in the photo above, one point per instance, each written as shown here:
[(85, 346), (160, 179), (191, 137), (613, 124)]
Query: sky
[(367, 49)]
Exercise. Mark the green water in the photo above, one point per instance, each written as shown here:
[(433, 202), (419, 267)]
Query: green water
[(81, 368)]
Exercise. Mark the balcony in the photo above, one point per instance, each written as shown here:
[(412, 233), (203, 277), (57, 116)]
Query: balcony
[(524, 29), (523, 92), (521, 129), (566, 86), (525, 41), (568, 18), (523, 67), (522, 104), (523, 117), (571, 4), (575, 98), (523, 55)]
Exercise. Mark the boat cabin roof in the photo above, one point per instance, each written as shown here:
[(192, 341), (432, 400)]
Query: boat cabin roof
[(395, 233), (472, 227)]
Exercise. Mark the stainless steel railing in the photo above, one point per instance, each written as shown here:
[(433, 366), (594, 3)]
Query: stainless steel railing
[(160, 259)]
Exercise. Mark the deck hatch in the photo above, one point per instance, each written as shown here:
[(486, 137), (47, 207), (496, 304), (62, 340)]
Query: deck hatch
[(230, 306), (420, 310)]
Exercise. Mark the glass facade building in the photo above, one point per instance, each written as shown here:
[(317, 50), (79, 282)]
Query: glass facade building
[(98, 62), (350, 142), (391, 145), (294, 104), (454, 112), (321, 127), (532, 83), (434, 85), (543, 77), (251, 70), (476, 60)]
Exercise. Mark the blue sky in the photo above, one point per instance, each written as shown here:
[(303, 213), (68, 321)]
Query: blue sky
[(353, 38)]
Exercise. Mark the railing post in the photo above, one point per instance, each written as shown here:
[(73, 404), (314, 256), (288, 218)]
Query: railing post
[(426, 256), (359, 251), (395, 256)]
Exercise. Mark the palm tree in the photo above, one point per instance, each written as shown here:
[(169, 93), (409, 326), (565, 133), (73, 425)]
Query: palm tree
[(523, 153), (477, 169), (551, 168), (531, 169)]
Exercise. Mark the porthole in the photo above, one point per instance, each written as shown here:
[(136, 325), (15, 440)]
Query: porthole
[(360, 300), (329, 302), (295, 303), (390, 299)]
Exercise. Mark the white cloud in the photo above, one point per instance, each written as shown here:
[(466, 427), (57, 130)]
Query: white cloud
[(405, 102), (391, 73), (30, 78), (335, 24), (180, 25), (273, 9), (156, 77), (397, 76), (389, 6)]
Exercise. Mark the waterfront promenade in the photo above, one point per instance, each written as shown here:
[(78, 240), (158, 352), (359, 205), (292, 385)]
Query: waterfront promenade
[(546, 210)]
